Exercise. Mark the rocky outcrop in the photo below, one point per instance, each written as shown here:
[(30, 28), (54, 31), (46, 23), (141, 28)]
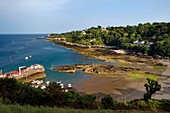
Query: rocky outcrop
[(100, 69)]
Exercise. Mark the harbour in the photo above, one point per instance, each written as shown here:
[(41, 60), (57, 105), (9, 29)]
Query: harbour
[(26, 74), (16, 50)]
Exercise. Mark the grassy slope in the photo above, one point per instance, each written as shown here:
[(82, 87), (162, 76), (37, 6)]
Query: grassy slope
[(30, 109), (140, 75)]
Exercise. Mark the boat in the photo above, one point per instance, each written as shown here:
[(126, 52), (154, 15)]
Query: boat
[(26, 58), (59, 82), (69, 85)]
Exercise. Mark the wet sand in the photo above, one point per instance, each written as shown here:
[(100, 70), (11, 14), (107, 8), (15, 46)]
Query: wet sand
[(164, 80), (122, 89)]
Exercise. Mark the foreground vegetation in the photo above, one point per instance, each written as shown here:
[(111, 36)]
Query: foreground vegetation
[(151, 39), (42, 109), (13, 92)]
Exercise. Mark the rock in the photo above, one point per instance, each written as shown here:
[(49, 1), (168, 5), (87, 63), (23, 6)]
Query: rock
[(101, 69)]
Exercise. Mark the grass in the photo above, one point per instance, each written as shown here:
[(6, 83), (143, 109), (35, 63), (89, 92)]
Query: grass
[(141, 74), (30, 109), (160, 67), (122, 63)]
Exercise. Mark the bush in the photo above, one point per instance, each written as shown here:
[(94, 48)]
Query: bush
[(153, 104), (165, 105), (87, 102), (7, 88), (71, 98), (138, 105), (121, 106), (108, 102)]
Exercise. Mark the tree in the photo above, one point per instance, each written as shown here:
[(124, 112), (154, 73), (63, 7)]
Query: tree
[(71, 97), (99, 27), (151, 87), (145, 49), (87, 101), (108, 102), (157, 35)]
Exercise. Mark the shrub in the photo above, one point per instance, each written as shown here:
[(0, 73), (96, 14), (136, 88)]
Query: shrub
[(71, 97), (153, 104), (108, 102), (138, 105), (151, 87), (87, 102), (165, 105)]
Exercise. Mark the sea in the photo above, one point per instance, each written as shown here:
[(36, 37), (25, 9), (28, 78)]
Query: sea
[(15, 47)]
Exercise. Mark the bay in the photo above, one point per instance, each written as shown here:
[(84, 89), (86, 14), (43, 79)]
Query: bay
[(14, 49)]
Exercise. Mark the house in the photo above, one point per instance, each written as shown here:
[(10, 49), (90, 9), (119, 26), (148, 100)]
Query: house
[(93, 40), (139, 42), (150, 43), (83, 32)]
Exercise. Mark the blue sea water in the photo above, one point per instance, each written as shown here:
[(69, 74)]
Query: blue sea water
[(14, 49)]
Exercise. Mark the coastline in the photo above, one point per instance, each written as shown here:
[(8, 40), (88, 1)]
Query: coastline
[(106, 54), (122, 89)]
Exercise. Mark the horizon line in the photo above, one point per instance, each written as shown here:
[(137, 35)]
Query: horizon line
[(77, 29)]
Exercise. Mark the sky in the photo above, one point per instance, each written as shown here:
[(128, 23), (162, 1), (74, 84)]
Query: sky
[(58, 16)]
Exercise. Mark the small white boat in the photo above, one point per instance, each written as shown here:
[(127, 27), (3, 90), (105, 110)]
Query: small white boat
[(26, 58), (48, 82), (59, 82), (69, 85), (43, 87), (66, 90), (39, 82), (36, 86)]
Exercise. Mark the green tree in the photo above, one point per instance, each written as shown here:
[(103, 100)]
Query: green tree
[(99, 27), (8, 86), (108, 102), (145, 49), (87, 101), (71, 97), (151, 87)]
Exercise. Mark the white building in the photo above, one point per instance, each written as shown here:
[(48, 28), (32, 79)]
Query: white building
[(139, 42), (83, 32), (93, 40)]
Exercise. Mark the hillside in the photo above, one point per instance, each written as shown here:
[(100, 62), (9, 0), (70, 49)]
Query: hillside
[(147, 38)]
